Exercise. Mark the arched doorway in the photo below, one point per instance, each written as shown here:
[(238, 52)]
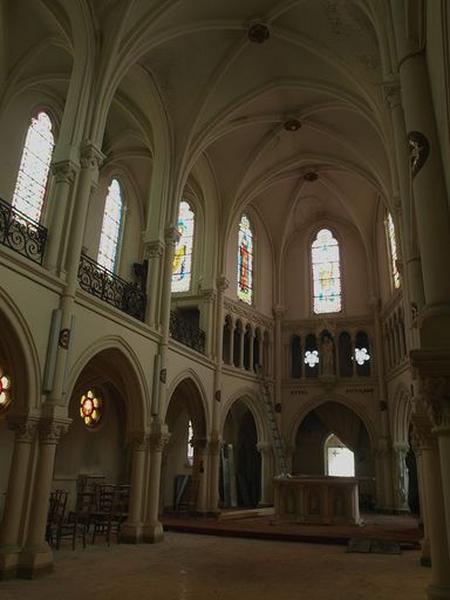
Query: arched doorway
[(332, 428), (184, 468), (240, 460), (95, 456)]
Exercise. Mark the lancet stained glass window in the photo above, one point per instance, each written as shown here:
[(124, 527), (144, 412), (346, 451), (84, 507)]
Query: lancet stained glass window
[(111, 227), (34, 167), (326, 273), (390, 228), (245, 261), (182, 262), (190, 447)]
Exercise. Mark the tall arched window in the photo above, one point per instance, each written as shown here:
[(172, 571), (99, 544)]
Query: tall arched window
[(108, 250), (182, 262), (393, 252), (34, 167), (245, 261), (326, 273)]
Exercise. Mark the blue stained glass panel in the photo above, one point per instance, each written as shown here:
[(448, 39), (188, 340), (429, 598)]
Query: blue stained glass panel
[(182, 262)]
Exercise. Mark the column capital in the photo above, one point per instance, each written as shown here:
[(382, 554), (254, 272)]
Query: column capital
[(222, 283), (91, 157), (24, 427), (264, 448), (278, 311), (139, 440), (154, 249), (208, 294), (158, 438), (421, 436), (50, 430), (64, 171), (431, 370)]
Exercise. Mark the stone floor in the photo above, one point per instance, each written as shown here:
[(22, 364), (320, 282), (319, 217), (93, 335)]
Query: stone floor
[(198, 567)]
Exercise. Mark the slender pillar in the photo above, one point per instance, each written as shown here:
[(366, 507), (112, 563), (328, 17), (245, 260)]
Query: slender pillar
[(278, 312), (241, 346), (200, 473), (153, 531), (231, 355), (36, 557), (131, 531), (400, 477), (154, 252), (214, 468), (25, 429), (266, 453), (64, 173), (251, 348)]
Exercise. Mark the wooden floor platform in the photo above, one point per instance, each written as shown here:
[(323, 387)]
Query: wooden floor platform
[(399, 528)]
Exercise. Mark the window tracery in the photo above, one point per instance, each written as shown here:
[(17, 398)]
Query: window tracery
[(245, 261), (32, 178), (182, 262), (108, 251), (326, 273), (90, 409)]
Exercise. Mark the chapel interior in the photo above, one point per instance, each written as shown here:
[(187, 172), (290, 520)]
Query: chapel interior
[(224, 279)]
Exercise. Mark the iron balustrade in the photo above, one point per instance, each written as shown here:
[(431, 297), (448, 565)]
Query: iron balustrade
[(22, 234), (186, 332), (109, 287)]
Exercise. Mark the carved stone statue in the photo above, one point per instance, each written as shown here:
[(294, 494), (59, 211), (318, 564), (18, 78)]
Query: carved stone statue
[(327, 356)]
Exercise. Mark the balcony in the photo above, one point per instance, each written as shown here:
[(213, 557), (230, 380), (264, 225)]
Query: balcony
[(22, 234), (186, 331), (109, 287)]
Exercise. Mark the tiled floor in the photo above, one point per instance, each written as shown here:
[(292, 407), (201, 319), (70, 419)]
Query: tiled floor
[(197, 567)]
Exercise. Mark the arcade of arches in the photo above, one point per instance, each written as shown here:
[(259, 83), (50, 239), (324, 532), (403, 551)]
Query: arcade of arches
[(224, 242)]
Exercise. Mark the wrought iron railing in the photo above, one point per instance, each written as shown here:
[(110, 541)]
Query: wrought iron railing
[(22, 234), (98, 281), (186, 332)]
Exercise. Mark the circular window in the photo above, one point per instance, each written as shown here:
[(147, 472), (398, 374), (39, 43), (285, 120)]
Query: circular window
[(5, 386), (90, 409)]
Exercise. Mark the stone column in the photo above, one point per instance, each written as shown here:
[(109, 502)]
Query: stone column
[(64, 173), (131, 531), (278, 312), (207, 320), (241, 346), (231, 354), (251, 348), (36, 557), (200, 473), (425, 559), (430, 197), (25, 429), (439, 587), (214, 467), (154, 252), (266, 453), (153, 531)]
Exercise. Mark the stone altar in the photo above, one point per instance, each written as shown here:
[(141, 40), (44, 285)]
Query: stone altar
[(317, 499)]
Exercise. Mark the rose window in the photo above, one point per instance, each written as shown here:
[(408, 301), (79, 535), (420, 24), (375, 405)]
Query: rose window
[(311, 358), (361, 355), (90, 409), (5, 385)]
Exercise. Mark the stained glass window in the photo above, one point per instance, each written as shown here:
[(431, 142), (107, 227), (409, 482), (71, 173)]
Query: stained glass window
[(108, 250), (245, 261), (5, 386), (190, 447), (326, 273), (182, 261), (390, 229), (90, 409), (34, 167)]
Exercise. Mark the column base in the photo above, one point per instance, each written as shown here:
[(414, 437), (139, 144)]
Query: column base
[(131, 533), (153, 533), (35, 561), (437, 592), (9, 561)]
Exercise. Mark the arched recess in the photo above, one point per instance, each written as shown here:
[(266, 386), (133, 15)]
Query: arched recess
[(183, 476), (100, 451), (20, 365), (243, 436), (401, 415), (314, 428)]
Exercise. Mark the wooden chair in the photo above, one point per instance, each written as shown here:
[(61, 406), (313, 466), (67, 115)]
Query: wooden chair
[(60, 526)]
